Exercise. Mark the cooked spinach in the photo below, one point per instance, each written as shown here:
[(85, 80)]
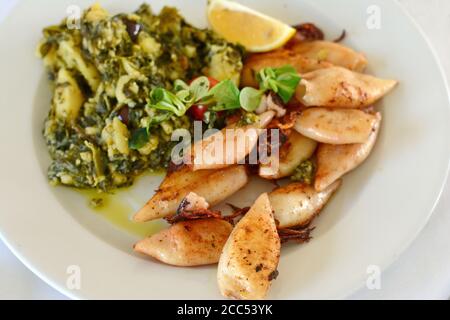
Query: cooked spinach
[(100, 131)]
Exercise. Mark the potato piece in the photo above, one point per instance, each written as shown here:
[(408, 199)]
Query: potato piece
[(297, 204), (73, 59), (333, 53), (68, 98), (214, 187), (188, 243), (224, 64), (149, 45), (227, 147), (120, 136), (279, 58), (297, 149), (335, 126), (250, 256), (51, 60), (116, 135), (337, 87), (333, 161), (96, 13)]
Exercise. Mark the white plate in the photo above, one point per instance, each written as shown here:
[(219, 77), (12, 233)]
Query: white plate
[(379, 210)]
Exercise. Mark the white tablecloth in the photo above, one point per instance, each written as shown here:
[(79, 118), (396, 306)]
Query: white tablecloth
[(422, 272)]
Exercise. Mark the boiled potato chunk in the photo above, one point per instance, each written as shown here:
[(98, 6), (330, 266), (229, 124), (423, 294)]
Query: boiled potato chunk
[(116, 136), (335, 126), (96, 13), (188, 243), (297, 149), (250, 256), (221, 67), (297, 204), (68, 97), (73, 59)]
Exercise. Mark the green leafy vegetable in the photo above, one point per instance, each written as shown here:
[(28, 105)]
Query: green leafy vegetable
[(138, 139), (250, 98), (97, 159), (179, 85), (283, 81), (225, 95), (157, 119), (193, 93), (185, 96), (163, 99), (142, 135), (199, 88)]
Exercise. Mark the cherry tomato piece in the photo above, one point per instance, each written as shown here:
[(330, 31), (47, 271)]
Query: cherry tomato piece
[(212, 82), (197, 112)]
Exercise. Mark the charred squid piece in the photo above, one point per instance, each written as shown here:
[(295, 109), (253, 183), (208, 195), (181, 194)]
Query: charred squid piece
[(271, 145), (337, 87), (256, 62), (212, 185), (188, 243), (335, 126), (341, 37), (194, 215), (192, 202), (237, 214), (271, 102), (333, 161), (250, 256), (294, 151), (193, 207), (333, 53), (181, 176), (234, 142), (297, 204), (295, 235), (309, 32)]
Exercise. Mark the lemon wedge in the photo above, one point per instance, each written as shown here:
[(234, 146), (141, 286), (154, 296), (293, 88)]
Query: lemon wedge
[(257, 32)]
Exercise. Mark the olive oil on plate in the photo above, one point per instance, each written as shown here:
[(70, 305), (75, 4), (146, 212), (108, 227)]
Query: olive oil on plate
[(119, 206)]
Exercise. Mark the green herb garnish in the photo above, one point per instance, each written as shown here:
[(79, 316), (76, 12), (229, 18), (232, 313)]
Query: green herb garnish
[(223, 96), (250, 98), (304, 172), (226, 95), (283, 81), (141, 136), (162, 99), (138, 139)]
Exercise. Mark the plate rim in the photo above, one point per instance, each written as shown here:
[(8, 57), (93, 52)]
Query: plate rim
[(407, 242)]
